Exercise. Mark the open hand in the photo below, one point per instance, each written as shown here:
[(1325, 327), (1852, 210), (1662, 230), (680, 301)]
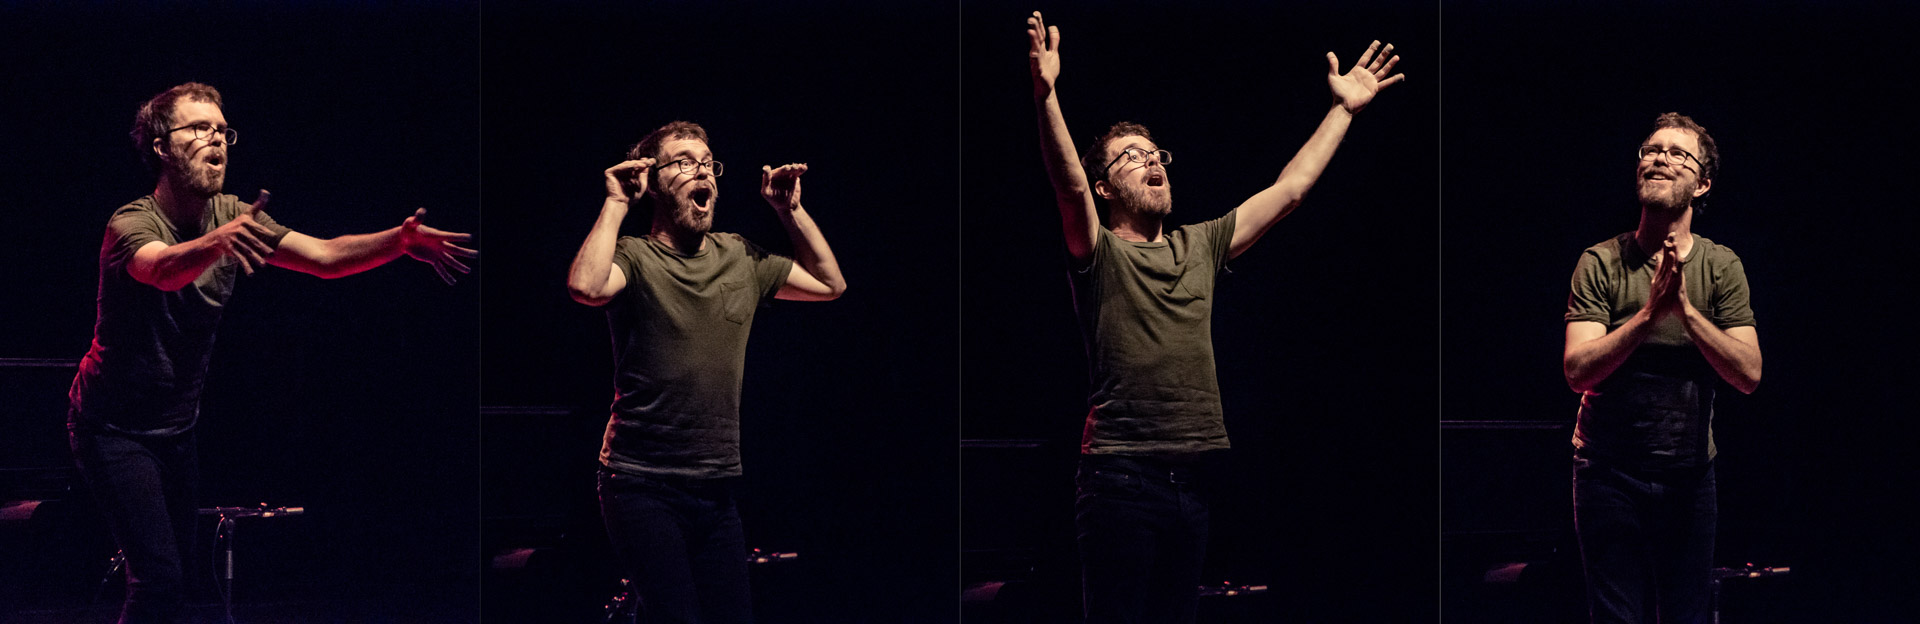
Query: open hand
[(245, 238), (1354, 90), (1043, 54), (781, 187), (436, 247)]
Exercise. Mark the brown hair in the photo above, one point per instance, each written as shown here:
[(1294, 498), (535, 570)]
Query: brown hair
[(649, 147), (155, 117)]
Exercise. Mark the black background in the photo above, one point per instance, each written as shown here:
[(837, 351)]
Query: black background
[(1324, 332), (848, 409), (354, 398), (1544, 105)]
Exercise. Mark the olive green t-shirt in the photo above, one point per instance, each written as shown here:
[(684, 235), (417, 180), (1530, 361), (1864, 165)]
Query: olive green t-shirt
[(1655, 412), (148, 361), (679, 353), (1146, 315)]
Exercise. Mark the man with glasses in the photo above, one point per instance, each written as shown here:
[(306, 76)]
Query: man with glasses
[(168, 264), (1657, 316), (1144, 302), (680, 302)]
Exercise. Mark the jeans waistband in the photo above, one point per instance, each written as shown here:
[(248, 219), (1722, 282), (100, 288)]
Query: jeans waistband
[(1150, 468)]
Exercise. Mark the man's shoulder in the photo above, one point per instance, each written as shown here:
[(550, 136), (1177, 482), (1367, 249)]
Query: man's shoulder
[(1612, 249), (144, 205)]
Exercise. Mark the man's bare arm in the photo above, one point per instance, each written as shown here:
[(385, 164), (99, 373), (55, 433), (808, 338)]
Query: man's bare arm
[(815, 275), (172, 267), (1592, 353), (1071, 191), (1351, 92), (341, 256), (593, 280)]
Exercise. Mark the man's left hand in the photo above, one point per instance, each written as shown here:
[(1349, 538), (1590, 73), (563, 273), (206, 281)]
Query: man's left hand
[(781, 187), (435, 247), (1368, 77)]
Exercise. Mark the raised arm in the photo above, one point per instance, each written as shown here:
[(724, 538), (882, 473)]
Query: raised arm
[(1351, 93), (1071, 191), (172, 267), (593, 280), (346, 255), (815, 275)]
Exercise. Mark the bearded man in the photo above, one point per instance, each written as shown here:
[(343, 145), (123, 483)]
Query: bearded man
[(680, 302), (1657, 317), (168, 264)]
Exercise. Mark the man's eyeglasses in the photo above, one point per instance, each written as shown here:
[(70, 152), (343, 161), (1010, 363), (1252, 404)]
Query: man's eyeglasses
[(1138, 155), (688, 164), (205, 130), (1671, 155)]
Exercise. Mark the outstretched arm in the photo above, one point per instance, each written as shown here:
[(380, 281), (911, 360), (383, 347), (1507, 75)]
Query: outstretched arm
[(1071, 191), (172, 267), (815, 275), (593, 280), (346, 255), (1351, 93)]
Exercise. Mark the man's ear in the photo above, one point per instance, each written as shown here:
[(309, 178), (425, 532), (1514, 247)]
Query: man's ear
[(1103, 189), (1705, 185), (160, 149)]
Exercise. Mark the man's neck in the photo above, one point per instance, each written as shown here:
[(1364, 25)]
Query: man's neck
[(1136, 227), (182, 205), (1656, 224), (682, 241)]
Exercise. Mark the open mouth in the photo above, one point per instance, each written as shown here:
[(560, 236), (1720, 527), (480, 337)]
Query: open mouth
[(702, 197), (1156, 179), (217, 159)]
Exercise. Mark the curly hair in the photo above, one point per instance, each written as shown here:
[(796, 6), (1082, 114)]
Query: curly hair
[(155, 117), (1709, 152)]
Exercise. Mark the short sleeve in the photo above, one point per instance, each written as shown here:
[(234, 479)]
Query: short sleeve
[(127, 232), (1590, 296), (1731, 307), (624, 259), (770, 270), (1219, 236)]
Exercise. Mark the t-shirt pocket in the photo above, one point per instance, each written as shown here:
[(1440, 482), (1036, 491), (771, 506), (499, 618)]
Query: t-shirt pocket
[(736, 301)]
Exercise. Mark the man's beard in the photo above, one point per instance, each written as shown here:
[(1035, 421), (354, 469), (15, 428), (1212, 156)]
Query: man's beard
[(203, 181), (1140, 199), (686, 216), (1679, 197)]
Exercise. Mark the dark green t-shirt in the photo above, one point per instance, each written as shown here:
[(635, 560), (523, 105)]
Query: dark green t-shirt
[(679, 352), (1146, 314), (1655, 412), (143, 374)]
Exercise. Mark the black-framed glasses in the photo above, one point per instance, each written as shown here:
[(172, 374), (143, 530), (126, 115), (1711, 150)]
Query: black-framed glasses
[(1671, 156), (1138, 155), (688, 164), (205, 130)]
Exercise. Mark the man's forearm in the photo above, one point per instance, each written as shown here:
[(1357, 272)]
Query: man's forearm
[(346, 255), (810, 249), (1589, 362), (173, 267), (587, 277), (1070, 187), (1304, 170), (1736, 360)]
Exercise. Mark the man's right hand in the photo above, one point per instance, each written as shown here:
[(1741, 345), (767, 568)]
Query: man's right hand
[(628, 179), (1666, 295), (244, 238), (1043, 55)]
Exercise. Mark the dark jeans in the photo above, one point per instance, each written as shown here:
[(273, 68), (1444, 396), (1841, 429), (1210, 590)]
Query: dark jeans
[(681, 542), (148, 490), (1143, 537), (1641, 535)]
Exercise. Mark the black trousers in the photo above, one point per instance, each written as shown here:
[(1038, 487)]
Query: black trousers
[(682, 544), (147, 487), (1143, 538), (1646, 542)]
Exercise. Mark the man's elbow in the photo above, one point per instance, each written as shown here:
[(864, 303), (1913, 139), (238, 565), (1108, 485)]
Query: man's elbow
[(585, 295)]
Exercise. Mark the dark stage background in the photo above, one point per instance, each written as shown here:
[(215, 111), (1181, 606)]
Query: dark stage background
[(849, 406), (1544, 105), (1324, 332), (354, 398)]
